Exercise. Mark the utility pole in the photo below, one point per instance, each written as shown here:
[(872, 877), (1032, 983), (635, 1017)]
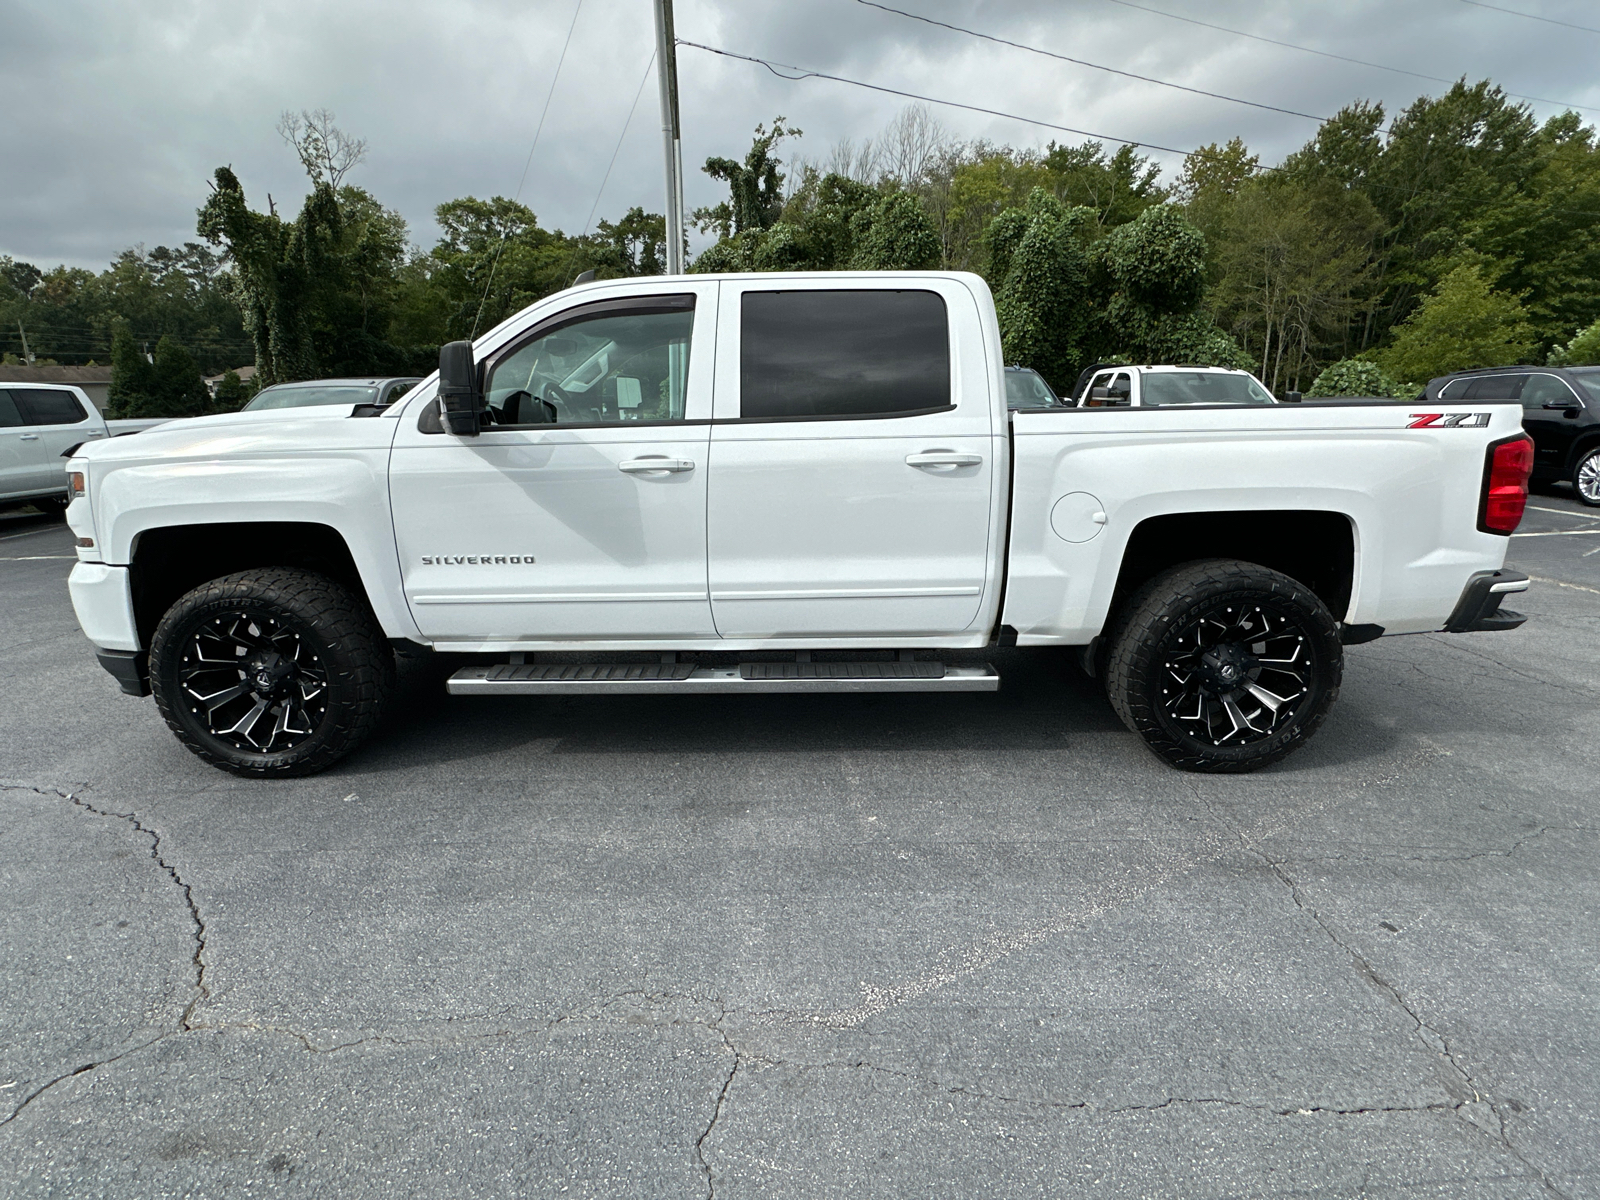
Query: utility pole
[(27, 355), (667, 77)]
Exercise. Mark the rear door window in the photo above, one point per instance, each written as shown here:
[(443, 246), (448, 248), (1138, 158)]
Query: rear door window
[(10, 414), (831, 354), (1494, 387), (49, 406)]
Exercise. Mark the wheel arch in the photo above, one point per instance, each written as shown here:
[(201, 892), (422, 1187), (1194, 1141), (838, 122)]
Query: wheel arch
[(168, 561), (1316, 547)]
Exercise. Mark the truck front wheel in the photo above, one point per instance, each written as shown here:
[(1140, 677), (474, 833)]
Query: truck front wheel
[(272, 672), (1224, 666)]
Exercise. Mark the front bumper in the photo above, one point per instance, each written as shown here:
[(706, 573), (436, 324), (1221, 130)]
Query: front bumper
[(1479, 609), (130, 668)]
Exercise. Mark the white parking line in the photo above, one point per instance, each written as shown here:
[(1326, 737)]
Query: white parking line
[(1565, 512), (1559, 533), (34, 557)]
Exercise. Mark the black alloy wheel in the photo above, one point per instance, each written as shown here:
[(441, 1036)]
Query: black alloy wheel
[(253, 681), (273, 673), (1224, 666)]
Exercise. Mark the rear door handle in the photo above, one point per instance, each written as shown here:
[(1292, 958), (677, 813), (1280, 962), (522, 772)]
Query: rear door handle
[(943, 458), (656, 464), (30, 437)]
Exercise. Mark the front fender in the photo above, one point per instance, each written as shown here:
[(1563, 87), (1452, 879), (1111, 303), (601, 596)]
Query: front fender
[(346, 490)]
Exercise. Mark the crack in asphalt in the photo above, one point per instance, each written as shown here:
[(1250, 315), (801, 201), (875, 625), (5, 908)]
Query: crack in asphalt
[(202, 992), (1430, 1036)]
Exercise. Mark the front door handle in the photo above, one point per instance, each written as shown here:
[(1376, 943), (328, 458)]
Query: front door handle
[(30, 437), (943, 458), (654, 464)]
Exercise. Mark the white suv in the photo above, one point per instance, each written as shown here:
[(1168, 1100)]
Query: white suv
[(37, 423), (1162, 387)]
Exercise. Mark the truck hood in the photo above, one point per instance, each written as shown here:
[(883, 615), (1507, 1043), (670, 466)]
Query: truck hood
[(226, 435)]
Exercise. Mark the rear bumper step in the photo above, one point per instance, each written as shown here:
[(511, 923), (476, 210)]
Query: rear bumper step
[(513, 679)]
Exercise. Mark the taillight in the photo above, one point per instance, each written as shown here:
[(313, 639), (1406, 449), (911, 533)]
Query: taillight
[(1505, 485)]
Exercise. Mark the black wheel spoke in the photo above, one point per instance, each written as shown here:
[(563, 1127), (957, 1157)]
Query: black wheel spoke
[(1233, 675), (253, 682)]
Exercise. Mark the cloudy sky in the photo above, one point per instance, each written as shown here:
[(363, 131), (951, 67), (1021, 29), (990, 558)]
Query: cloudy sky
[(117, 113)]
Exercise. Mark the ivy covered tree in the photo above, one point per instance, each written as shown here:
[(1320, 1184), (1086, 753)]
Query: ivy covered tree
[(1356, 377), (1039, 273), (1150, 276), (755, 186)]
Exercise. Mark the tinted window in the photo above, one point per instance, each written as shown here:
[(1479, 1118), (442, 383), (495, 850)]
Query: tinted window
[(1547, 389), (1163, 388), (10, 415), (598, 370), (1493, 387), (1589, 380), (48, 407), (843, 354), (396, 390), (299, 395)]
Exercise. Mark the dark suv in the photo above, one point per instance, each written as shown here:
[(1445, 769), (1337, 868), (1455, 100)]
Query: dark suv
[(1560, 410)]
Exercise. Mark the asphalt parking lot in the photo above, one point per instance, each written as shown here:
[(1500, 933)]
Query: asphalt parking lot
[(804, 947)]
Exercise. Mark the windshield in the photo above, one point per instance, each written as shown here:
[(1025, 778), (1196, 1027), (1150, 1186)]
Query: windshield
[(1201, 387), (1590, 379), (1027, 389), (304, 395)]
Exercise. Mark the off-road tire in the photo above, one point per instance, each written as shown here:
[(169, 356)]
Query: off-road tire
[(338, 627), (1164, 607)]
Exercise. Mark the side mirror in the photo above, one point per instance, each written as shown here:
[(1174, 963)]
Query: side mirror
[(1099, 396), (1291, 397), (459, 402)]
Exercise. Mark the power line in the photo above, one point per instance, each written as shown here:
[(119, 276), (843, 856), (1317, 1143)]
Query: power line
[(1083, 63), (604, 179), (1201, 151), (1530, 16), (621, 137), (774, 67), (506, 232), (1360, 62)]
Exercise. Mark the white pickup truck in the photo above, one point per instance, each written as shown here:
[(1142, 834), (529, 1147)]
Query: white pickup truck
[(778, 482)]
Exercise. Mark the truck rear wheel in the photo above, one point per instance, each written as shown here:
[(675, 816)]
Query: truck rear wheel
[(1224, 666), (271, 672)]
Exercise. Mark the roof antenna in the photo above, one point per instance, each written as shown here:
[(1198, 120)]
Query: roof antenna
[(586, 277)]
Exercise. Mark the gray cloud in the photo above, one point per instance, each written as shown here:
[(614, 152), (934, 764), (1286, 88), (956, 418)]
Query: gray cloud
[(118, 113)]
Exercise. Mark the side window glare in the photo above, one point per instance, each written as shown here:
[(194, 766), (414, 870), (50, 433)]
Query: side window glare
[(857, 353)]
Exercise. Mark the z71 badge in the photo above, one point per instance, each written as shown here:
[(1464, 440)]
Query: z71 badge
[(1448, 420)]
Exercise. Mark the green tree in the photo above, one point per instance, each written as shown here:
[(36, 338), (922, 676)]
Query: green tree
[(232, 392), (755, 186), (1293, 263), (1039, 273), (1355, 377), (132, 390), (893, 233), (1151, 274), (176, 385), (1463, 323), (1582, 351)]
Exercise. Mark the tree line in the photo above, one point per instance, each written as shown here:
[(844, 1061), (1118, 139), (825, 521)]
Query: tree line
[(1459, 233)]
